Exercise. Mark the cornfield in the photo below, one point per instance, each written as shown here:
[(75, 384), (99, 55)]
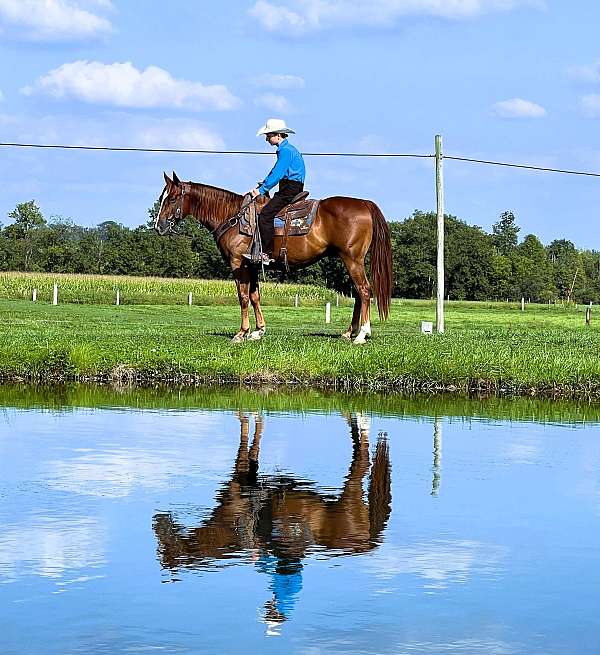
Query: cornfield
[(101, 290)]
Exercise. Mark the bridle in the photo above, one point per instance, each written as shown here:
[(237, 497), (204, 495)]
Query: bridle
[(186, 187), (220, 230)]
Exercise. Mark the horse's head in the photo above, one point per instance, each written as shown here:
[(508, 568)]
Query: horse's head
[(174, 204)]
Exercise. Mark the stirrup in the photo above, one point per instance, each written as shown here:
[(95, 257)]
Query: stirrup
[(253, 260)]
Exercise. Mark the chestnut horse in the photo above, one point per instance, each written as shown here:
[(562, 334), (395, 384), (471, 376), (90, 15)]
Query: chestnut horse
[(281, 519), (345, 227)]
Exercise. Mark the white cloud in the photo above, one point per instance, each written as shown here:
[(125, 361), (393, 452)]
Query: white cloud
[(109, 129), (148, 461), (272, 101), (173, 133), (123, 85), (7, 119), (590, 105), (439, 563), (312, 15), (52, 20), (275, 81), (518, 108), (50, 547), (1, 96), (589, 73)]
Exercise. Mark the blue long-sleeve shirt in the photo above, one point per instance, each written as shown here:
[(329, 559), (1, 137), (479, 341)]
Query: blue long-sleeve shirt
[(289, 165)]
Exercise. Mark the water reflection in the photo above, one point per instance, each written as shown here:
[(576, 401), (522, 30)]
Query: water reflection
[(276, 521), (437, 456)]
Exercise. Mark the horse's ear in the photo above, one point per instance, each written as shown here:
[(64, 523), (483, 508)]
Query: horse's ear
[(167, 180), (176, 179)]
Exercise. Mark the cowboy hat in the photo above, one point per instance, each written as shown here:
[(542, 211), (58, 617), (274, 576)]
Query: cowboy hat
[(275, 126)]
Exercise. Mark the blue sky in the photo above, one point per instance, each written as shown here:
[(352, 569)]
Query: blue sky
[(513, 80)]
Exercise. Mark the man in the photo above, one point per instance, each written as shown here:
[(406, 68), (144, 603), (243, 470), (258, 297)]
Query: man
[(288, 172)]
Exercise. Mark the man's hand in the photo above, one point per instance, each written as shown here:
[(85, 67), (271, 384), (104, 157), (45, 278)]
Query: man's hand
[(254, 193)]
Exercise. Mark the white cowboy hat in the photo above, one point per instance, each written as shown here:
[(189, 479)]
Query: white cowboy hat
[(275, 126)]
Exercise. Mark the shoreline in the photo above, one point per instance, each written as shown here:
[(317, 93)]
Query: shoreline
[(128, 377)]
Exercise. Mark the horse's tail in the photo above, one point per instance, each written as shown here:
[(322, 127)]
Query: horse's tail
[(381, 261), (380, 489)]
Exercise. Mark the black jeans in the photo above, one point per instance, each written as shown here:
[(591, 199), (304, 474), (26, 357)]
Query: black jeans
[(266, 221)]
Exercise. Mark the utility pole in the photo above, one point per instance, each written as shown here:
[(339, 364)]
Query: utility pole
[(439, 193)]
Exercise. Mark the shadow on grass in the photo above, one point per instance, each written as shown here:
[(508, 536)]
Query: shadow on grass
[(327, 335)]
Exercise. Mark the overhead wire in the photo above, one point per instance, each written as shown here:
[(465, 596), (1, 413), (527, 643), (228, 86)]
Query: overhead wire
[(307, 154)]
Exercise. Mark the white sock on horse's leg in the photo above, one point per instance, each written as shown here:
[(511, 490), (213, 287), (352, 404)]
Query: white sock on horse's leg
[(257, 334), (365, 331)]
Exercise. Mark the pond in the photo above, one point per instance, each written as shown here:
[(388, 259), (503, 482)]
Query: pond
[(187, 521)]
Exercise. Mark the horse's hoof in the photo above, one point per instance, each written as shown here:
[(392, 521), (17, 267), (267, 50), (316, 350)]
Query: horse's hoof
[(239, 337), (256, 335), (360, 339), (347, 335)]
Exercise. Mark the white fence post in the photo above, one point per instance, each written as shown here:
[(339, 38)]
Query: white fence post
[(522, 304), (190, 298), (55, 295), (296, 301), (328, 313), (34, 295), (118, 301)]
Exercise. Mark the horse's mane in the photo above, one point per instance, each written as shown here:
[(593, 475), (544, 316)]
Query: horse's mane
[(215, 202)]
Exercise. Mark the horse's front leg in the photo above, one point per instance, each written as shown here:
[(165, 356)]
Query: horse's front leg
[(242, 281), (255, 300)]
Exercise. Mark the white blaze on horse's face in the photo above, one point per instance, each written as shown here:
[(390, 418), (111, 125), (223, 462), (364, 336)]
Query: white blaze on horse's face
[(163, 223), (161, 200)]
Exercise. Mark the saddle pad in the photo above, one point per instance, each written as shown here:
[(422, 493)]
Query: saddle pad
[(300, 215)]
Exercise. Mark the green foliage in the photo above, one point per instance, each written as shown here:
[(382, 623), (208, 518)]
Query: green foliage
[(506, 232), (478, 265)]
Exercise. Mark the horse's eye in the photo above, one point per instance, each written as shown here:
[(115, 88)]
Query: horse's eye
[(171, 199)]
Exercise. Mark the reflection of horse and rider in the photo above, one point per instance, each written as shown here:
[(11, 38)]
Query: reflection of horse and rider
[(278, 520)]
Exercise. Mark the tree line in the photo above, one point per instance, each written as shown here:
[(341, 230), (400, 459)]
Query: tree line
[(479, 265)]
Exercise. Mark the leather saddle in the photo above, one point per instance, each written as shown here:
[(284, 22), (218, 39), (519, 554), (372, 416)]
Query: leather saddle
[(294, 219)]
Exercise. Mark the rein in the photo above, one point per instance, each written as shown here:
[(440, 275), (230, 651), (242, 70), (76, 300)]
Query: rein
[(220, 230)]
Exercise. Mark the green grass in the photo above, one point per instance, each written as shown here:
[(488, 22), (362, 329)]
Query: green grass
[(486, 347)]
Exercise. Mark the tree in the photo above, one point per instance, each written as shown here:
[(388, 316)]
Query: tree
[(591, 277), (414, 245), (506, 233), (28, 219), (469, 261), (567, 267), (532, 270)]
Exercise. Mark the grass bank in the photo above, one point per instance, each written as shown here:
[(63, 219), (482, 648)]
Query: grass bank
[(545, 350)]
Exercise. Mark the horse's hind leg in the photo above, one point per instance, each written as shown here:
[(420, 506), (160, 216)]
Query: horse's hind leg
[(356, 269), (352, 331)]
